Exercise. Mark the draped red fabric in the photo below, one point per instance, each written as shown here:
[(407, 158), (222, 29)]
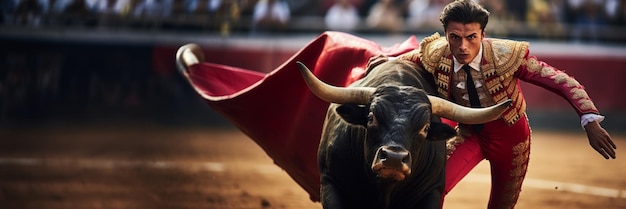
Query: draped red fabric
[(277, 110)]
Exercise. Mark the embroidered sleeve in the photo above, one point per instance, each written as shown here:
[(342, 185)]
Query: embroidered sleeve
[(548, 77)]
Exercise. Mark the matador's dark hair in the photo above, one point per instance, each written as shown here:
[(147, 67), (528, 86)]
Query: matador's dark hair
[(464, 11)]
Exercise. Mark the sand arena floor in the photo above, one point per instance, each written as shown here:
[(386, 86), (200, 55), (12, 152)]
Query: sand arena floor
[(156, 167)]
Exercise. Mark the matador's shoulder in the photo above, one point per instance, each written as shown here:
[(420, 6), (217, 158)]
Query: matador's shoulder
[(505, 55), (432, 49)]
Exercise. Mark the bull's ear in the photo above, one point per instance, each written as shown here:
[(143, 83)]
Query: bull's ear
[(440, 131), (352, 113)]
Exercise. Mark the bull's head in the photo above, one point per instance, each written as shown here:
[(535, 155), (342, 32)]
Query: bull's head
[(398, 119)]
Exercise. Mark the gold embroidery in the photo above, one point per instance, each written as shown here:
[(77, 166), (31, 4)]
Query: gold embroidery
[(533, 65), (433, 54), (547, 71), (494, 86), (489, 71), (507, 55), (451, 144), (499, 97), (512, 89), (413, 55), (572, 83), (508, 81), (520, 166), (520, 102), (522, 150), (515, 113), (431, 51), (578, 93), (502, 53), (509, 115), (442, 84), (560, 78), (519, 170), (586, 104), (446, 64)]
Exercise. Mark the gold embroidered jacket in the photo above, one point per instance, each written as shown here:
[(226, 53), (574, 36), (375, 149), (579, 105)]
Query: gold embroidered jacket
[(503, 64)]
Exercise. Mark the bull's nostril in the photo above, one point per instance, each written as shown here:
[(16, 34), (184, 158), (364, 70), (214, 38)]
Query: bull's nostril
[(382, 155), (405, 159)]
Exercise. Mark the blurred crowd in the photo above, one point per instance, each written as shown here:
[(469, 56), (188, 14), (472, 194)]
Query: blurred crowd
[(35, 76), (571, 19)]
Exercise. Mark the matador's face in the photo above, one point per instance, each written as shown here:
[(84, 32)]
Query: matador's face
[(464, 40)]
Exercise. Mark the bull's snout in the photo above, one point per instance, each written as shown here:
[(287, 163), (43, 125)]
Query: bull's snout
[(393, 157), (392, 162)]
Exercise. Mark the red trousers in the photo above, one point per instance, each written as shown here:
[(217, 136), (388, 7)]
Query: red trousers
[(507, 149)]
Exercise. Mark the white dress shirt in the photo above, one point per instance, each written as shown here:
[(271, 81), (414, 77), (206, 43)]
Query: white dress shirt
[(474, 65)]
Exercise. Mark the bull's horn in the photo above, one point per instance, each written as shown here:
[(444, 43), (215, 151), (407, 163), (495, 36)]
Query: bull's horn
[(466, 115), (333, 94), (188, 55)]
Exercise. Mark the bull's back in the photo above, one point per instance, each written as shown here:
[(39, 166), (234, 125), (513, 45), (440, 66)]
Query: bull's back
[(399, 73)]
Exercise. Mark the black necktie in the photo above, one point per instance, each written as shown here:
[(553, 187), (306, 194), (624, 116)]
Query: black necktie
[(472, 93), (471, 88)]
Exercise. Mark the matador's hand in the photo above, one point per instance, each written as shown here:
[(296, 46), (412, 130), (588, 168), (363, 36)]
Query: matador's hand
[(375, 61), (600, 140)]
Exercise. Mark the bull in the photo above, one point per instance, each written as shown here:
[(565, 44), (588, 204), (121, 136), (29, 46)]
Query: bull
[(383, 142)]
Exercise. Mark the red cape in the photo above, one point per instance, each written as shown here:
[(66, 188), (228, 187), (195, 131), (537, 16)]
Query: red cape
[(277, 110)]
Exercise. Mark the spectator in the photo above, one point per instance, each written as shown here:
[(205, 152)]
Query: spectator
[(28, 12), (589, 19), (126, 7), (425, 13), (8, 9), (415, 10), (151, 13), (385, 16), (543, 18), (614, 10), (342, 16), (102, 6), (105, 12), (270, 16), (76, 8), (516, 8), (203, 6), (76, 13), (150, 8), (65, 7), (620, 16)]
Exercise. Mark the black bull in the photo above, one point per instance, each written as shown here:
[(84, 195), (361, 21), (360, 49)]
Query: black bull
[(383, 143)]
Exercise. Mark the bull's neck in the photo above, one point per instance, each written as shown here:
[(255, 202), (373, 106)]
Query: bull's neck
[(386, 189)]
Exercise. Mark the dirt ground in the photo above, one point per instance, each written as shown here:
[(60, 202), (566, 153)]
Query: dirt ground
[(156, 167)]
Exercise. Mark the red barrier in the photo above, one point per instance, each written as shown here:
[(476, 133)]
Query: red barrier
[(601, 75)]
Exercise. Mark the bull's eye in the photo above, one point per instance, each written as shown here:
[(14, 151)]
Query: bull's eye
[(425, 130)]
